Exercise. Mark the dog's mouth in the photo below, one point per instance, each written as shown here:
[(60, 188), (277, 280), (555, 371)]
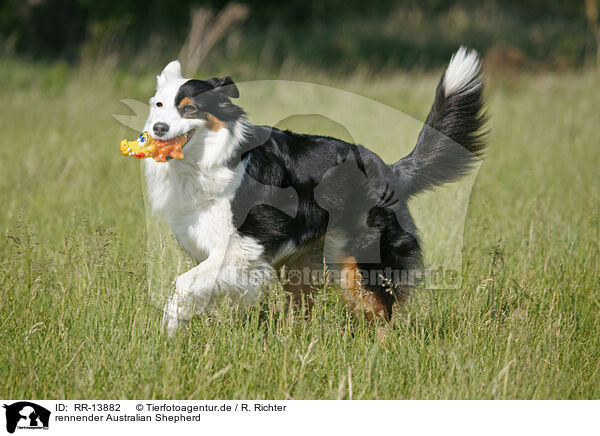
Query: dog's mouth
[(176, 141)]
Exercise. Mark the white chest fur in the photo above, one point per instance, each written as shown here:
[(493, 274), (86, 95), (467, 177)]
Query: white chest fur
[(195, 203)]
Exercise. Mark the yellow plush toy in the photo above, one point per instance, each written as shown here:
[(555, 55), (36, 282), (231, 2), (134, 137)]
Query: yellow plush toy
[(141, 148), (146, 146)]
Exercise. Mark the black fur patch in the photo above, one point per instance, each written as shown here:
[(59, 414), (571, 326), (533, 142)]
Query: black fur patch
[(210, 96), (339, 188)]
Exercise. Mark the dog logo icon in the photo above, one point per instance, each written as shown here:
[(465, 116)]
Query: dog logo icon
[(26, 415)]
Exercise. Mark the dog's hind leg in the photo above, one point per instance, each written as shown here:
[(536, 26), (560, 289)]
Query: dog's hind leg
[(373, 284), (362, 299)]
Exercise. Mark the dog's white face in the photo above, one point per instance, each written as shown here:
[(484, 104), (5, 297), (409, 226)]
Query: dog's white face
[(165, 121), (196, 113)]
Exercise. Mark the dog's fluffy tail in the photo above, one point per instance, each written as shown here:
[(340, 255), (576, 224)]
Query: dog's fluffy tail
[(452, 138)]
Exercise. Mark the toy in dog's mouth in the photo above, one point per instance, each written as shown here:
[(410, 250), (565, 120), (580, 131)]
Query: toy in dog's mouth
[(159, 149)]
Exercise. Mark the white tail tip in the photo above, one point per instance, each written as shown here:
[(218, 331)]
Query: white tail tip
[(462, 74)]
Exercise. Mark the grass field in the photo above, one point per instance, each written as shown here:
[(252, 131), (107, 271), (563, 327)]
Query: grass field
[(77, 322)]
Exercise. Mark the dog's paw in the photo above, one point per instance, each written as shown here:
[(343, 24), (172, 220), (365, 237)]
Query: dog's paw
[(170, 325), (171, 320), (178, 309)]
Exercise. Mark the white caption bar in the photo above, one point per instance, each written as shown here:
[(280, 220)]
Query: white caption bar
[(23, 417)]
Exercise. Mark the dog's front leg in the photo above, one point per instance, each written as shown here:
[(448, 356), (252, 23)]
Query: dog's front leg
[(193, 292)]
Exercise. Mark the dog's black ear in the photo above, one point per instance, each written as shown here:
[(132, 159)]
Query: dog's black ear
[(225, 85)]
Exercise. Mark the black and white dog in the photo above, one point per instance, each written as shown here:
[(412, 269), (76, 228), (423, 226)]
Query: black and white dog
[(247, 201)]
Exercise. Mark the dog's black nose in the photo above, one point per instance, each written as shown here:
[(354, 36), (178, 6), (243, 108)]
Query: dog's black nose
[(160, 129)]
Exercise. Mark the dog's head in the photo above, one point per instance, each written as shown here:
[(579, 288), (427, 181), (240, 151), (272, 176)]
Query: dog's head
[(190, 111)]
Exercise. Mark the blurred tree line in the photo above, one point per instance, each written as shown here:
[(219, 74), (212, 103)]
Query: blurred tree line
[(379, 33)]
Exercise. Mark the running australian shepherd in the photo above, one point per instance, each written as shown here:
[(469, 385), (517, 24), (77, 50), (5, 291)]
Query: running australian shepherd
[(247, 201)]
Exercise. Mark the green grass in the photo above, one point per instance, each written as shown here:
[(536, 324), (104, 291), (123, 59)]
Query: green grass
[(76, 320)]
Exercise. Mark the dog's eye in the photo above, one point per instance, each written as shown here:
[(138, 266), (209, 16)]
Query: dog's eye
[(188, 109), (159, 104)]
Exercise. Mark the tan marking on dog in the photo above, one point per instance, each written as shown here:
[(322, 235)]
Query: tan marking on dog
[(185, 102), (213, 123), (359, 299)]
